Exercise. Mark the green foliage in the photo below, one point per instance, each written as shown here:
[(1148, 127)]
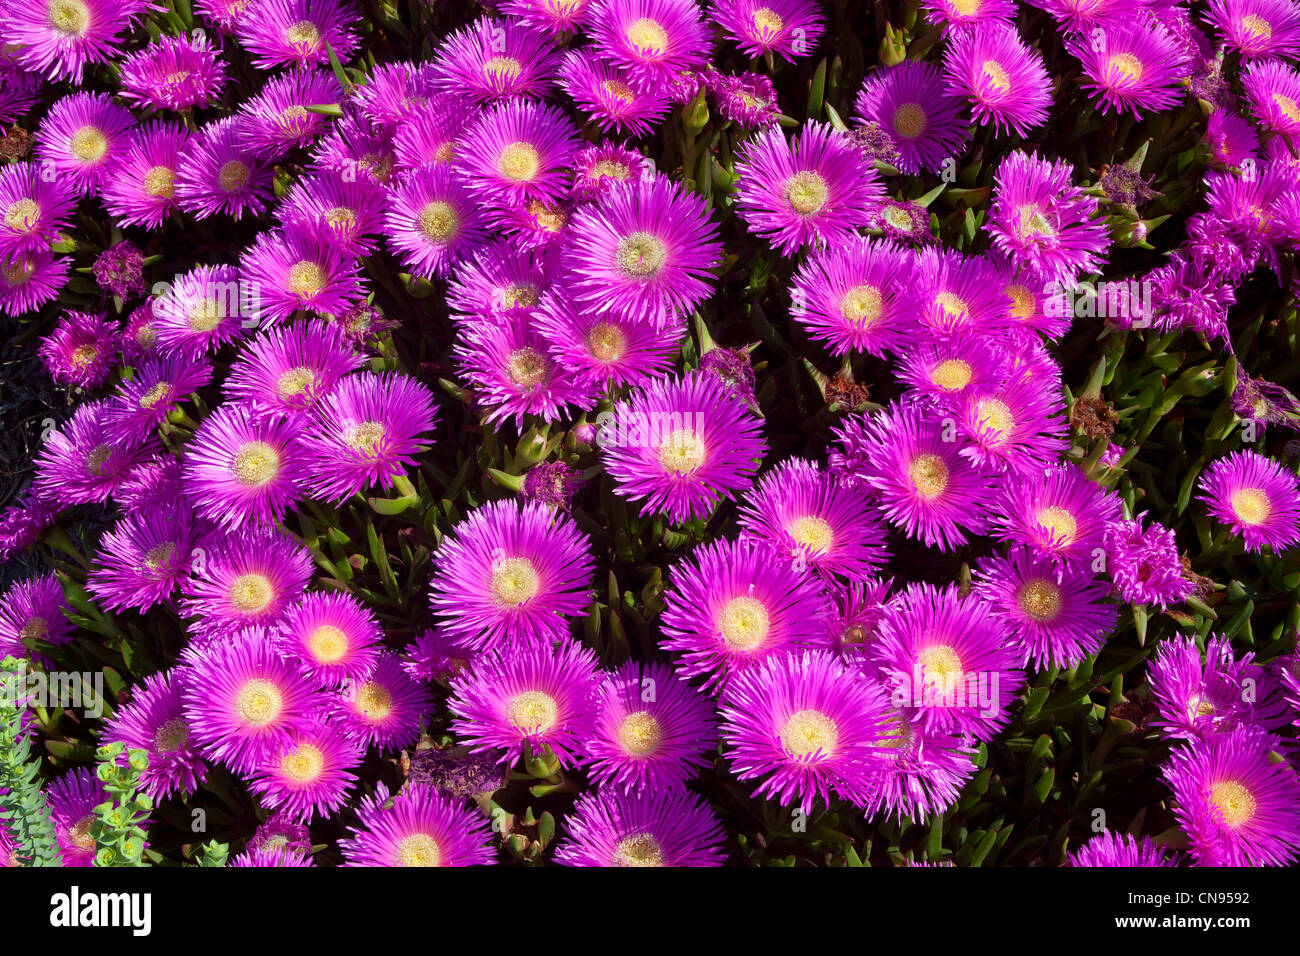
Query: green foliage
[(24, 810), (117, 831)]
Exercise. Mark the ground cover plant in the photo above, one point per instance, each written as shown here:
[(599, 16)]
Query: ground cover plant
[(646, 432)]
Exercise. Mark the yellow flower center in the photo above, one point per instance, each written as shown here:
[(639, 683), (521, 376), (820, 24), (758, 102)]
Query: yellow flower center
[(641, 849), (1060, 522), (994, 415), (807, 192), (89, 144), (519, 161), (744, 623), (418, 849), (1126, 65), (682, 452), (862, 305), (518, 296), (34, 628), (80, 832), (1040, 599), (259, 702), (328, 644), (1022, 301), (206, 315), (255, 464), (618, 90), (1234, 801), (533, 711), (929, 475), (159, 555), (640, 255), (610, 168), (83, 355), (996, 76), (160, 182), (69, 16), (366, 438), (22, 215), (515, 581), (640, 734), (306, 279), (527, 367), (899, 218), (647, 36), (953, 306), (374, 702), (438, 221), (952, 374), (295, 381), (303, 764), (303, 33), (767, 22), (1256, 26), (96, 459), (1251, 505), (941, 667), (502, 69), (251, 593), (909, 120), (17, 272), (812, 532), (808, 732), (155, 395)]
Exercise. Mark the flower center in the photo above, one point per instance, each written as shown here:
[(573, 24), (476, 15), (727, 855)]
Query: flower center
[(366, 438), (610, 168), (996, 76), (606, 342), (502, 68), (533, 711), (899, 218), (438, 221), (806, 191), (171, 736), (89, 144), (929, 475), (809, 732), (527, 367), (69, 16), (295, 381), (909, 120), (33, 628), (518, 296), (519, 161), (83, 355), (303, 33), (1022, 301), (80, 832), (640, 849), (160, 182), (618, 90), (418, 849), (306, 279), (952, 374), (647, 36), (205, 315), (1251, 505), (1059, 522), (96, 459), (341, 218), (328, 644), (1235, 803), (515, 581), (995, 415), (22, 214), (1127, 66), (641, 255), (862, 305), (640, 734), (1033, 223), (1040, 599), (374, 702), (812, 532), (304, 764), (156, 557), (546, 216), (233, 175), (155, 395), (259, 702), (952, 306), (255, 464), (251, 593), (940, 667), (744, 623), (682, 452), (17, 273), (767, 21), (1256, 26)]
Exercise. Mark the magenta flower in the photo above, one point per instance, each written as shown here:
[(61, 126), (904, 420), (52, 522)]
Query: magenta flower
[(332, 636), (788, 28), (663, 828), (174, 73), (494, 59), (1006, 82), (1255, 498), (852, 295), (926, 123), (417, 827), (153, 721), (297, 33)]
